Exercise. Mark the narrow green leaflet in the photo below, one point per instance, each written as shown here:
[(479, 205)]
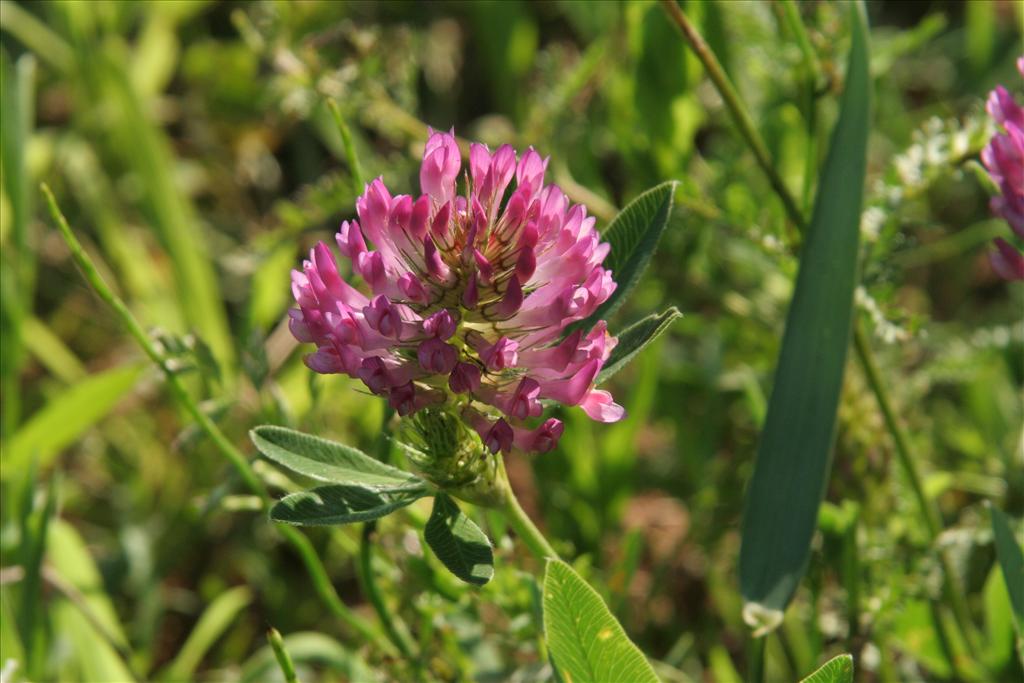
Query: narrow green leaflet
[(459, 543), (795, 453), (330, 461), (633, 236), (340, 504), (634, 338), (839, 669), (68, 416), (215, 620), (1011, 561), (587, 643)]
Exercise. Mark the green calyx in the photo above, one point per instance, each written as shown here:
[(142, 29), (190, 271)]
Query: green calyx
[(449, 453)]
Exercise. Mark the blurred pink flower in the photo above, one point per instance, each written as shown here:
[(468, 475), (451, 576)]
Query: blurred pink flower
[(1004, 159), (471, 296)]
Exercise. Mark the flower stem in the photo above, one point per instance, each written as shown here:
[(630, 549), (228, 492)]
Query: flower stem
[(521, 522), (301, 544)]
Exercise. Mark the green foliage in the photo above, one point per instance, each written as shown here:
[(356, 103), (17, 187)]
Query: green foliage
[(634, 338), (633, 236), (86, 613), (191, 147), (214, 621), (330, 461), (68, 416), (1011, 561), (839, 669), (458, 542), (587, 642), (308, 648), (341, 504), (795, 453)]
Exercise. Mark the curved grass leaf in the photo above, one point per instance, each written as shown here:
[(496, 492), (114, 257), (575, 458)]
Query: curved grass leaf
[(1011, 561), (309, 648), (93, 638), (459, 543), (214, 621), (839, 669), (587, 643), (67, 417), (634, 338), (633, 236), (340, 504), (794, 456), (329, 461)]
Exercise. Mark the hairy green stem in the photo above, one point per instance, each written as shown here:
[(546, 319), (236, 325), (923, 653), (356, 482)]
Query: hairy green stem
[(524, 527), (739, 112), (744, 122), (301, 544)]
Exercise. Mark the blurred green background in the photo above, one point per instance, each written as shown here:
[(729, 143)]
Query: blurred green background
[(191, 148)]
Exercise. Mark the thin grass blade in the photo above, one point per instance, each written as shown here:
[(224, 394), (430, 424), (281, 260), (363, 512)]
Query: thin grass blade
[(215, 620)]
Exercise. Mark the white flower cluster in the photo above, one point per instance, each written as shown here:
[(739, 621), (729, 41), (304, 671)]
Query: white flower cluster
[(938, 146)]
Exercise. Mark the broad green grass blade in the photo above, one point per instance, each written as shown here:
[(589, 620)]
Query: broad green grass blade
[(633, 236), (839, 669), (587, 643), (36, 36), (337, 504), (17, 114), (35, 525), (458, 542), (51, 352), (18, 88), (634, 338), (66, 551), (1011, 561), (329, 461), (10, 641), (215, 620), (309, 648), (269, 299), (67, 417), (91, 657), (1000, 634), (794, 456), (94, 651)]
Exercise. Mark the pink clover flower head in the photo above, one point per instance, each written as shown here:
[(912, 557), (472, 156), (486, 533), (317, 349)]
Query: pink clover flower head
[(470, 295), (1004, 159)]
